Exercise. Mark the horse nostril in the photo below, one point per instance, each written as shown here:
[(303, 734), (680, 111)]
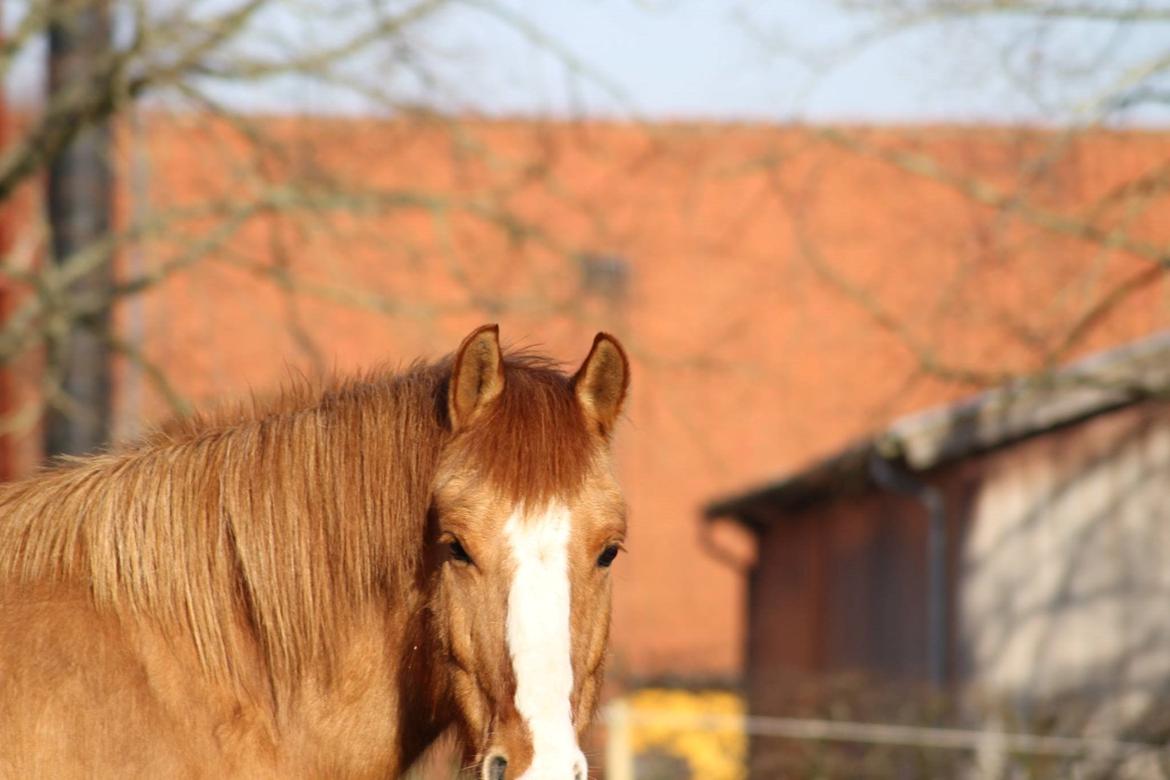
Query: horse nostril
[(579, 771), (497, 767)]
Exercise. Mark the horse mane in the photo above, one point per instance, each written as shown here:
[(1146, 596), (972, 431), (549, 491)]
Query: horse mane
[(272, 523)]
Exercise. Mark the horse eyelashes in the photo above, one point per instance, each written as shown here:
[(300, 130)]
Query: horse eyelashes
[(458, 553)]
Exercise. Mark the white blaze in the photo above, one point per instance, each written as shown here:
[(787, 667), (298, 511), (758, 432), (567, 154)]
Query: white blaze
[(539, 642)]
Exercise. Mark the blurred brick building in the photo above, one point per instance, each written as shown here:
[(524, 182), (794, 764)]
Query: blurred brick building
[(733, 261)]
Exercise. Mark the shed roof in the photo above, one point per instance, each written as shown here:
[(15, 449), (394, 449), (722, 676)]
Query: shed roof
[(998, 417)]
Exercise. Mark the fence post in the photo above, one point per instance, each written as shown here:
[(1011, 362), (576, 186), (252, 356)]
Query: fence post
[(619, 755), (991, 756)]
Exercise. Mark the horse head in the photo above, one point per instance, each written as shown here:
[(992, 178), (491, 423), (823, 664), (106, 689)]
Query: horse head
[(526, 521)]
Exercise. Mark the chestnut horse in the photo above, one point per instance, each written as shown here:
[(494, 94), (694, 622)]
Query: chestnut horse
[(323, 586)]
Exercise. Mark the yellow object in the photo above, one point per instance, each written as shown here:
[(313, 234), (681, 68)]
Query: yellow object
[(713, 751)]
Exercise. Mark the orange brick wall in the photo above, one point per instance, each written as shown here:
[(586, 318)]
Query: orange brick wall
[(748, 360)]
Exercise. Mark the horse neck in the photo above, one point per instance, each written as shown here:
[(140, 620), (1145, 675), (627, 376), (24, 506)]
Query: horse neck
[(291, 521), (269, 543), (364, 492), (386, 695), (370, 477)]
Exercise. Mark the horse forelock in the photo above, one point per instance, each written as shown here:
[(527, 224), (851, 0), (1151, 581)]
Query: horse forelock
[(533, 445)]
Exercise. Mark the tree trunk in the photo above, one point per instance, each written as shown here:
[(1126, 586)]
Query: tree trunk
[(80, 194)]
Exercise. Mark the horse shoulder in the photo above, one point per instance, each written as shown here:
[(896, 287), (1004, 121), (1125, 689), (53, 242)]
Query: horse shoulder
[(348, 721), (84, 696)]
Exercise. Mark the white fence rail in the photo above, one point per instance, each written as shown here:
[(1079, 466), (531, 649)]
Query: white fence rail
[(991, 746)]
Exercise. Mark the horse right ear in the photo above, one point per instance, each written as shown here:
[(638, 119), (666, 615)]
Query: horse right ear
[(477, 376)]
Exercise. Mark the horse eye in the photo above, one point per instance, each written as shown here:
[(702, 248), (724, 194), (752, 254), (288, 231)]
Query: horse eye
[(607, 556), (458, 553)]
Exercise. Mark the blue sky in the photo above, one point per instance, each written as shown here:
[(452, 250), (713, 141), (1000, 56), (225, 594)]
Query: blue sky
[(770, 60), (798, 60)]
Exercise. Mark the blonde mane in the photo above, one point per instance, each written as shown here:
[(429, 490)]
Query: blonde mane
[(270, 525), (283, 518)]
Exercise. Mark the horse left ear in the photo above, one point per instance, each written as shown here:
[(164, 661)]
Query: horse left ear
[(602, 381), (477, 375)]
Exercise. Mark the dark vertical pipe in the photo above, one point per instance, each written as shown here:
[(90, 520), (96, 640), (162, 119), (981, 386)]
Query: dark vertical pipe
[(893, 477), (80, 194), (7, 456)]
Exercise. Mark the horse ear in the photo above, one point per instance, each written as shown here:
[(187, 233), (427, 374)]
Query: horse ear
[(601, 382), (477, 375)]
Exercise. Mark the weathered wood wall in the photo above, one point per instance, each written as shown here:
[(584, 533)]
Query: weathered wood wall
[(1059, 592)]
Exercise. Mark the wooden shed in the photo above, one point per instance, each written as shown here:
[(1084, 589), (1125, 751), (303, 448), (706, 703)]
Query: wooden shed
[(1012, 552)]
